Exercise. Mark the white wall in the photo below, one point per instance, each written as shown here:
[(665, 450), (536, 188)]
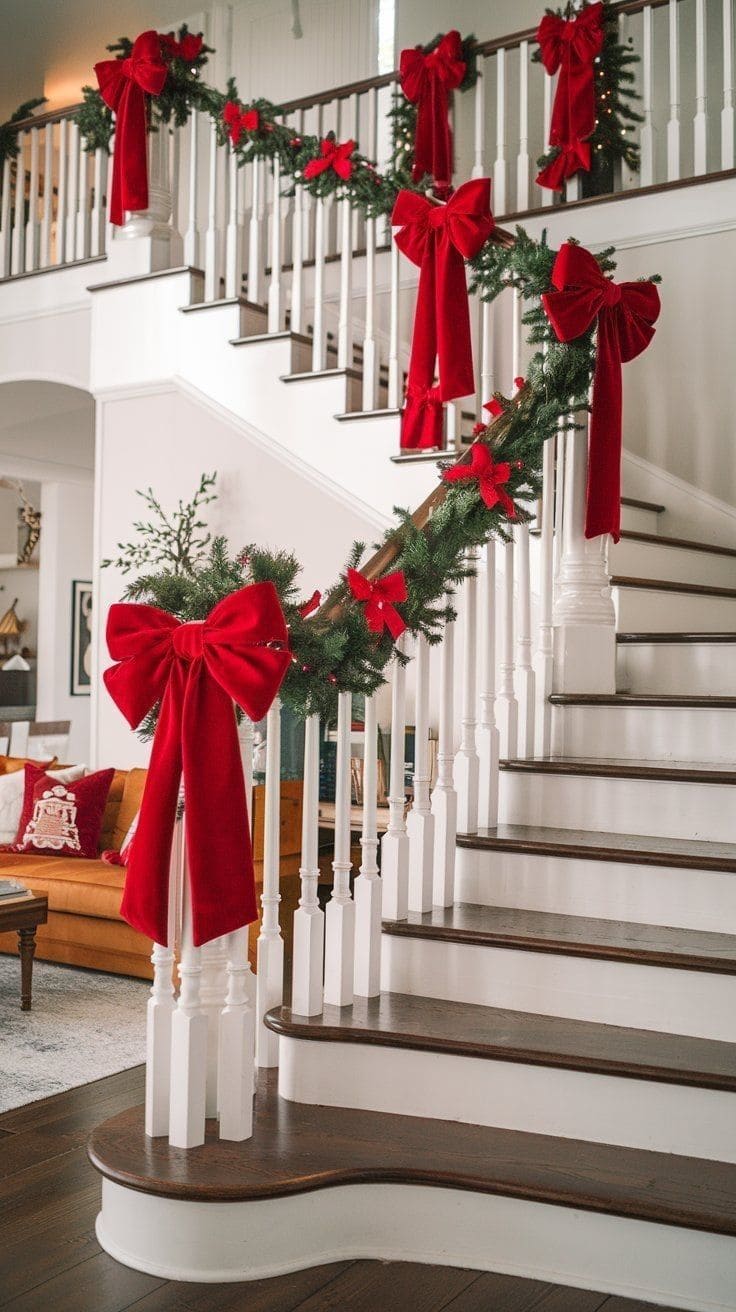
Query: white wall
[(66, 555)]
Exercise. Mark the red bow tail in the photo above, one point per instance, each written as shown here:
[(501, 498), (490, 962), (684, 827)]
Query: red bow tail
[(569, 160), (124, 85), (571, 46), (625, 313), (422, 421), (195, 671), (427, 81)]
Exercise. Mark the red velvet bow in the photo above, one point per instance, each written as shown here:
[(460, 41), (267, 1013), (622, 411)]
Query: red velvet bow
[(489, 477), (188, 49), (380, 613), (427, 81), (335, 155), (438, 238), (625, 313), (571, 45), (124, 85), (195, 671), (239, 120)]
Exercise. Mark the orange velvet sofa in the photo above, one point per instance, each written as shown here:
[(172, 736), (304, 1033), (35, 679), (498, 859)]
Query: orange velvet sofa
[(84, 925)]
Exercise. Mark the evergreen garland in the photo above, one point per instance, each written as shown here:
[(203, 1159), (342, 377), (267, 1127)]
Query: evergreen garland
[(9, 131), (615, 115)]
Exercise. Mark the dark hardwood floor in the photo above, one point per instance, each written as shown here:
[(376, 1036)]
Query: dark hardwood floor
[(49, 1257)]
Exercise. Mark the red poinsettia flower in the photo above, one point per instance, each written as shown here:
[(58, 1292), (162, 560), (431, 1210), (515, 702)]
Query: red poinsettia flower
[(239, 120), (334, 155), (489, 477)]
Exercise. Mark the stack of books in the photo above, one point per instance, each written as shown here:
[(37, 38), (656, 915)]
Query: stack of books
[(10, 889)]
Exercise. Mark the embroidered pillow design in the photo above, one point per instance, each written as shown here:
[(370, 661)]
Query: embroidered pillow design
[(63, 818)]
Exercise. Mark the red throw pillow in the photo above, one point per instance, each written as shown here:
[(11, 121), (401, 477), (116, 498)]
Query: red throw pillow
[(63, 819)]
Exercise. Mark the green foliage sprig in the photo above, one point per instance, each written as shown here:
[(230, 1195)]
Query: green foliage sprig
[(9, 131)]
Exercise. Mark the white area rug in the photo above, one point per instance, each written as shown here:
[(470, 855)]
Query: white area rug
[(83, 1025)]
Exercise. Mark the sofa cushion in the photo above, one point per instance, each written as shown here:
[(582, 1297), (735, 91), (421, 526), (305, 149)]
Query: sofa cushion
[(135, 781), (63, 818), (112, 806), (83, 888), (12, 795)]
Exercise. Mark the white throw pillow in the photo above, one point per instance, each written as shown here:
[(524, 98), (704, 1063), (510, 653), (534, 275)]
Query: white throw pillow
[(12, 787)]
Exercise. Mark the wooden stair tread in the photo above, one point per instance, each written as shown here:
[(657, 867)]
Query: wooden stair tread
[(580, 936), (402, 1020), (271, 337), (420, 457), (310, 374), (675, 637), (144, 277), (242, 301), (642, 505), (624, 699), (298, 1148), (367, 414), (585, 844), (666, 585), (687, 544), (613, 767)]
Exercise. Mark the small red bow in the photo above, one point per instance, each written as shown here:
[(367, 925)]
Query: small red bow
[(427, 81), (571, 45), (195, 672), (438, 238), (188, 49), (335, 155), (239, 120), (625, 313), (489, 477), (495, 407), (310, 606), (380, 613), (124, 85)]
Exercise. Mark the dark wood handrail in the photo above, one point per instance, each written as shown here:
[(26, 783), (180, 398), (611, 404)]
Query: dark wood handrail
[(51, 116)]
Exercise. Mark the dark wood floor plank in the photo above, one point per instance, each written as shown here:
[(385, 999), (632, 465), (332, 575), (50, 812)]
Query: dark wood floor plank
[(497, 1293), (370, 1286), (30, 1194), (282, 1294), (20, 1151), (97, 1285), (614, 1304), (572, 1300), (125, 1088)]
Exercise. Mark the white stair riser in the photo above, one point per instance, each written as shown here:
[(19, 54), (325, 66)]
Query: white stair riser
[(651, 733), (646, 610), (177, 1240), (567, 1104), (652, 560), (640, 521), (605, 890), (677, 667), (552, 984), (661, 807)]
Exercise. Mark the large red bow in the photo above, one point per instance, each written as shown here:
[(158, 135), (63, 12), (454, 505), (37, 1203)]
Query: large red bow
[(571, 45), (438, 238), (379, 596), (239, 120), (188, 49), (427, 81), (489, 477), (124, 84), (625, 312), (335, 155), (195, 671)]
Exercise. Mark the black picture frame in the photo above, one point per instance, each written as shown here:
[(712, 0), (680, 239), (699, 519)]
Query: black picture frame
[(80, 683)]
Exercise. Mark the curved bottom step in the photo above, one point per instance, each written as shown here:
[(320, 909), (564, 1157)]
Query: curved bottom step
[(317, 1185)]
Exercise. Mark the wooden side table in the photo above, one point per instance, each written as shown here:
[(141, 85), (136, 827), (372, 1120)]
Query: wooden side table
[(24, 914)]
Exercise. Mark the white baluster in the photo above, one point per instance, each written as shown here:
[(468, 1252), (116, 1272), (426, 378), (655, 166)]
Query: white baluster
[(18, 249), (420, 821), (97, 231), (188, 1040), (270, 967), (274, 290), (32, 224), (232, 235), (646, 134), (543, 660), (61, 203), (211, 282), (236, 1049), (560, 458), (297, 257), (309, 920), (394, 368), (174, 170), (673, 126), (318, 341), (395, 842), (73, 197), (190, 235), (161, 1003), (367, 892), (700, 122), (524, 677), (522, 159), (467, 765), (5, 221), (340, 916), (344, 321), (727, 113), (499, 167), (213, 988), (255, 270), (508, 709), (486, 366), (489, 738), (444, 797), (370, 363), (479, 141), (547, 196), (82, 244)]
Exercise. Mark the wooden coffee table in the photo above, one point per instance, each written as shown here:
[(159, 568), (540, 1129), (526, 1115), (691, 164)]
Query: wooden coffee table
[(24, 914)]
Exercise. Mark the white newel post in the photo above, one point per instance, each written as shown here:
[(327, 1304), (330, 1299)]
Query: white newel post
[(583, 615), (395, 842), (340, 917), (444, 797), (489, 738), (367, 891), (309, 920), (270, 960), (147, 241), (420, 821), (467, 765)]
